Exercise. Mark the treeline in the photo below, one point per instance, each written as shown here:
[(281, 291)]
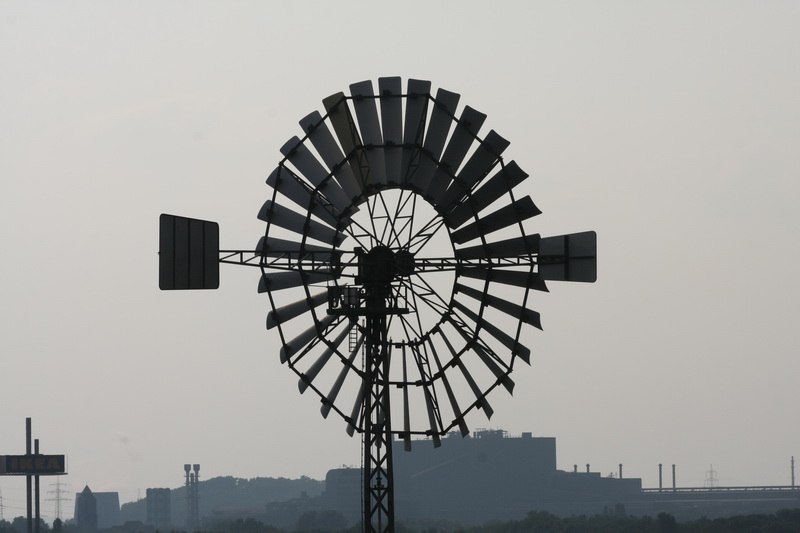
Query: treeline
[(228, 491), (784, 521), (20, 525)]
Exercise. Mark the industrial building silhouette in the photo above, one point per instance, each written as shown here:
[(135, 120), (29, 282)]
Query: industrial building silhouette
[(490, 476)]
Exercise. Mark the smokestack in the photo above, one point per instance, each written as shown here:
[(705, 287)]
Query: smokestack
[(196, 495), (587, 468), (673, 477), (660, 478), (620, 470), (793, 471), (576, 468)]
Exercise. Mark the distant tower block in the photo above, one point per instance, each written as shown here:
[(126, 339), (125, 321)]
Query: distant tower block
[(86, 511)]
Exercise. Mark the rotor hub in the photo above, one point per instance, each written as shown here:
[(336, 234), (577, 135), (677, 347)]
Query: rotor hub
[(381, 265)]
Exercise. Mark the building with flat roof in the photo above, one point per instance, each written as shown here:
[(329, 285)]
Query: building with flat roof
[(159, 509)]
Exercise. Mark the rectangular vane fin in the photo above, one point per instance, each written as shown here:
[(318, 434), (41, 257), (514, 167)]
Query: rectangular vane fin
[(570, 257), (188, 253)]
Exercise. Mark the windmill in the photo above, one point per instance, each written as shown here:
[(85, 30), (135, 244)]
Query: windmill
[(397, 266)]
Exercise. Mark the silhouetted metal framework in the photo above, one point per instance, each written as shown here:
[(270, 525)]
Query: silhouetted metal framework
[(398, 267)]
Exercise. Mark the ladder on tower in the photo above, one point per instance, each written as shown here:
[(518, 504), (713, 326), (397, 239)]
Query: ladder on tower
[(353, 336)]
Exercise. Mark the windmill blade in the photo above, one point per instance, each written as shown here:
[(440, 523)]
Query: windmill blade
[(481, 401), (419, 93), (514, 247), (330, 399), (480, 398), (367, 115), (276, 281), (406, 407), (322, 140), (289, 185), (344, 126), (518, 278), (352, 422), (501, 183), (308, 376), (390, 90), (464, 135), (283, 217), (479, 165), (310, 167), (502, 376), (508, 215), (505, 339), (275, 247), (473, 342), (528, 316), (432, 420), (441, 119), (428, 393), (287, 312), (459, 417), (569, 257), (297, 344)]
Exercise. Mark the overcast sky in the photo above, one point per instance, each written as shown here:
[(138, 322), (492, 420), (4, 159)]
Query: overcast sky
[(670, 128)]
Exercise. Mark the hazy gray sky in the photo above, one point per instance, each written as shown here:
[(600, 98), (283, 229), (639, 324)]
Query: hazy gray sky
[(670, 128)]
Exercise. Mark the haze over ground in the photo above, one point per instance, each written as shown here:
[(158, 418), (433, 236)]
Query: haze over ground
[(672, 129)]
